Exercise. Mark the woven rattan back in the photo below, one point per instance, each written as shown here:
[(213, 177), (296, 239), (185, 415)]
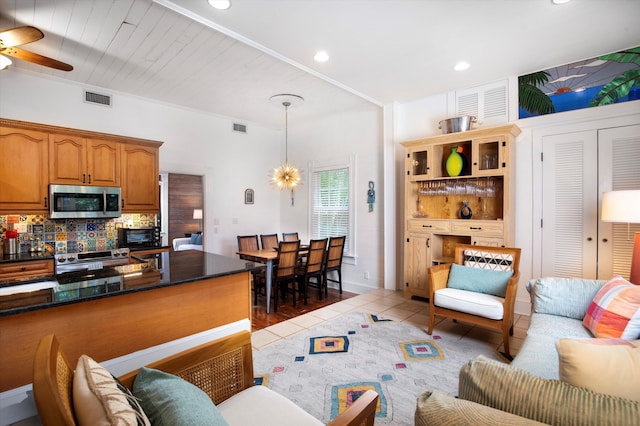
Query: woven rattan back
[(334, 254), (269, 241), (248, 243), (290, 236), (52, 384), (287, 259), (316, 255)]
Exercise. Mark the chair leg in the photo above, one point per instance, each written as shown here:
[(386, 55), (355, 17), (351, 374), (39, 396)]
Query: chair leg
[(340, 279), (432, 322), (505, 340)]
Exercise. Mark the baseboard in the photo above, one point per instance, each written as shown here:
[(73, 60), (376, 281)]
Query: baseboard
[(18, 404)]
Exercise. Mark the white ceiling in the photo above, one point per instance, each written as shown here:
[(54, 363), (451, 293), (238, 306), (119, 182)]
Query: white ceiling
[(230, 62)]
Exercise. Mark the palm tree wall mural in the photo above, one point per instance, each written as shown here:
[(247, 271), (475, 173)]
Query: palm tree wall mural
[(607, 79)]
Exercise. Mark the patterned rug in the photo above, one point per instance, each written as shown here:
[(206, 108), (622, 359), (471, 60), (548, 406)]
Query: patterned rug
[(326, 368)]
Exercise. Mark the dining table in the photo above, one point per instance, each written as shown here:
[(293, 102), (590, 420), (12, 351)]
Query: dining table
[(267, 256)]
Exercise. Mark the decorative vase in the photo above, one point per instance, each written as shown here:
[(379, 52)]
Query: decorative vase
[(455, 162), (465, 211)]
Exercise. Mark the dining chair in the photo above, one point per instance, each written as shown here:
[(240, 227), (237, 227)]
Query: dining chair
[(290, 236), (284, 271), (313, 267), (333, 263), (250, 243), (269, 241), (478, 288)]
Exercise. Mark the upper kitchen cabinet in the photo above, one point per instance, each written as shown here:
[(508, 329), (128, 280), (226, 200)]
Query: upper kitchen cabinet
[(75, 160), (140, 182), (23, 170)]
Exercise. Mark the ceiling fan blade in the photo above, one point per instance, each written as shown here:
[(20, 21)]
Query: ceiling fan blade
[(19, 36), (25, 55)]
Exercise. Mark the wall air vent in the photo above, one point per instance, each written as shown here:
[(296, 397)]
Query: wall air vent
[(488, 103), (97, 98), (242, 128)]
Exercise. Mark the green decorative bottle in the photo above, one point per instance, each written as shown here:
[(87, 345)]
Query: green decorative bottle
[(455, 163)]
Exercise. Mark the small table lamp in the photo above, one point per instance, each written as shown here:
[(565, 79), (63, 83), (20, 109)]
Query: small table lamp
[(197, 214), (624, 207)]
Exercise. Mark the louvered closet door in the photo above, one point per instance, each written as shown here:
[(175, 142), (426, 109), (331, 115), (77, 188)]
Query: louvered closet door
[(577, 168)]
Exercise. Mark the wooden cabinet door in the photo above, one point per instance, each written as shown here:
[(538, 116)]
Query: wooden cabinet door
[(67, 160), (419, 260), (140, 182), (103, 162), (24, 171)]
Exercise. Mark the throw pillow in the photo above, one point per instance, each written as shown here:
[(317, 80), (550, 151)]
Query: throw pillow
[(171, 401), (615, 310), (193, 239), (479, 280), (100, 399), (554, 402), (609, 366), (487, 260)]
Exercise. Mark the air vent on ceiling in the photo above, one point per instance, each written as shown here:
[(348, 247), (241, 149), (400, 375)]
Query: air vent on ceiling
[(242, 128), (97, 98)]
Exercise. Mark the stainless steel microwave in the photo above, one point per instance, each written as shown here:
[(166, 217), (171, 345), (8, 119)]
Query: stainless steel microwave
[(71, 201)]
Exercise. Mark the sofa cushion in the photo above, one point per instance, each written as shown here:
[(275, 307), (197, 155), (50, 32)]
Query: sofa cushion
[(567, 297), (479, 280), (256, 404), (171, 401), (609, 366), (436, 408), (554, 402), (100, 399), (484, 305), (615, 310)]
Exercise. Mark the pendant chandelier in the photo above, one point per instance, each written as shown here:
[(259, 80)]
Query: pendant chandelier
[(286, 176)]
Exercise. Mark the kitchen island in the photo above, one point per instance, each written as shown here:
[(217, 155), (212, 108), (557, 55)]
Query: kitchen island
[(165, 297)]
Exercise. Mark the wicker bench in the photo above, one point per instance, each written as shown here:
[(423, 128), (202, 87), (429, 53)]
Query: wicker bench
[(222, 368)]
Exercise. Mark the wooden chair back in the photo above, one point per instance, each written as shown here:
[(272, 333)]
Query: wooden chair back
[(316, 256), (269, 241), (287, 259), (290, 236), (248, 243), (335, 253)]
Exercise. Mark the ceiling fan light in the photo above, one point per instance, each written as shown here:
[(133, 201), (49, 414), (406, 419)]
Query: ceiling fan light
[(220, 4), (4, 62)]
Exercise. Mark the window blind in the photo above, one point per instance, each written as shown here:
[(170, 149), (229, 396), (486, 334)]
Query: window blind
[(330, 204)]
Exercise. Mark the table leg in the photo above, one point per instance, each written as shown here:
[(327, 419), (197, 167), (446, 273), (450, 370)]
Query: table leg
[(269, 273)]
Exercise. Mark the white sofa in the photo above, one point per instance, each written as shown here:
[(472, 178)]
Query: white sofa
[(185, 244)]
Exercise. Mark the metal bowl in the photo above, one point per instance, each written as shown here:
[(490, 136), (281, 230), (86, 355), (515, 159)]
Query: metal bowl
[(456, 124)]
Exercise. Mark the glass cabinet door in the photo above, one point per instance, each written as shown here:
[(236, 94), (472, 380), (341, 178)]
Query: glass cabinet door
[(489, 156), (418, 164)]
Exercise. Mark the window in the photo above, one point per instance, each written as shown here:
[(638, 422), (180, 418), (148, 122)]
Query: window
[(331, 204)]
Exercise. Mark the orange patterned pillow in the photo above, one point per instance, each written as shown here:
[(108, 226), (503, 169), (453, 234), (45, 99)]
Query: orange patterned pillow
[(615, 310)]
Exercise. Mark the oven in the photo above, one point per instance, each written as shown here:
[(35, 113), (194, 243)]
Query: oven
[(91, 261)]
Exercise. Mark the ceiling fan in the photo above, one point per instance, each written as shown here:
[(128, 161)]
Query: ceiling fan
[(9, 39)]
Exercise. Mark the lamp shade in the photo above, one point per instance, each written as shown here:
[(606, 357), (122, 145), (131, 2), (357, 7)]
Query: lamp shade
[(197, 213), (621, 206)]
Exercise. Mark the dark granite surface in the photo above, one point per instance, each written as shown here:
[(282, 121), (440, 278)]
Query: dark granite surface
[(23, 257), (152, 271)]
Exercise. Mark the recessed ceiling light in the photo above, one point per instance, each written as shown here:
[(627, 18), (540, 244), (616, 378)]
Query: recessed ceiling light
[(461, 66), (321, 56), (220, 4), (560, 1)]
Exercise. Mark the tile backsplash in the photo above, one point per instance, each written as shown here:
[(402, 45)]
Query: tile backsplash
[(71, 235)]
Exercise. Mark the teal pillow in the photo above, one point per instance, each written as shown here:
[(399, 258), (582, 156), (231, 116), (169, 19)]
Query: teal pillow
[(479, 280), (199, 240), (169, 400)]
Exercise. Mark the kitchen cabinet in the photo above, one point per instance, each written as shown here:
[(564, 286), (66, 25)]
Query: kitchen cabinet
[(75, 160), (140, 178), (23, 170), (434, 223), (24, 270)]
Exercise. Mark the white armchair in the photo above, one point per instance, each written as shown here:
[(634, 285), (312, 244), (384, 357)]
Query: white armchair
[(185, 244)]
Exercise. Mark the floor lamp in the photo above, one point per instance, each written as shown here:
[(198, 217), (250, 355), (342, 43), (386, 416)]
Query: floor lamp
[(197, 214), (624, 207)]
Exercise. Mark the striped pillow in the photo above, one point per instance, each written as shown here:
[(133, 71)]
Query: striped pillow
[(615, 310), (487, 260)]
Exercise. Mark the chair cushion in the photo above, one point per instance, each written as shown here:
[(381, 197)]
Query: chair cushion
[(610, 366), (615, 310), (479, 280), (171, 401), (488, 260), (484, 305), (100, 399), (259, 405)]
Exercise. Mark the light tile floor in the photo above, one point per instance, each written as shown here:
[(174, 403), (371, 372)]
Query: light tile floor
[(388, 304)]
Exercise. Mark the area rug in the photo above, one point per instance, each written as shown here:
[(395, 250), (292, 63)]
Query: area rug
[(326, 368)]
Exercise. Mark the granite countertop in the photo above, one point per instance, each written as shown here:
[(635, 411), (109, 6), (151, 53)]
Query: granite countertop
[(24, 257), (153, 271)]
